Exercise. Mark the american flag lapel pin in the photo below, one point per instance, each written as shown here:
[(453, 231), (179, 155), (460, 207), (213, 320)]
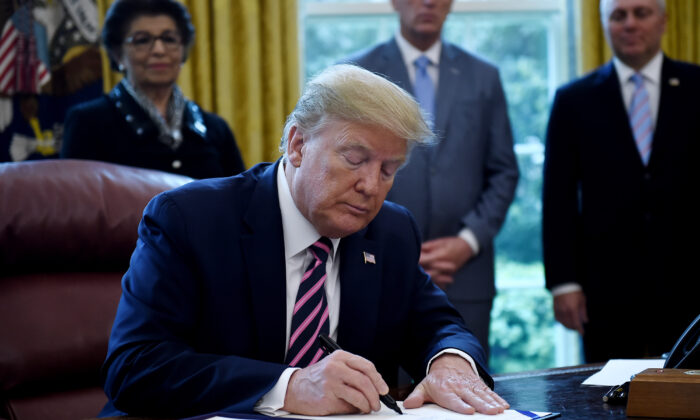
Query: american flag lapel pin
[(369, 258)]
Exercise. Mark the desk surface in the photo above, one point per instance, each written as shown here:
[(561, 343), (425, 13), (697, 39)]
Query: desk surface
[(559, 390)]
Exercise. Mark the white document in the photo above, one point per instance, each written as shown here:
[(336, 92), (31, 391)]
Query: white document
[(619, 371), (427, 412)]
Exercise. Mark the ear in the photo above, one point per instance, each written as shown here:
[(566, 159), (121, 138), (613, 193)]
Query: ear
[(116, 56), (295, 144)]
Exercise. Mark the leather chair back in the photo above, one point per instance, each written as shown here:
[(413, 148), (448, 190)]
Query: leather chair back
[(67, 230)]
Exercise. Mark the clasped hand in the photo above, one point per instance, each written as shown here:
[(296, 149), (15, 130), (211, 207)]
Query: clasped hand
[(346, 383)]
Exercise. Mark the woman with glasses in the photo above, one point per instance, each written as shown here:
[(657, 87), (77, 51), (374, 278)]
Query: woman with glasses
[(145, 120)]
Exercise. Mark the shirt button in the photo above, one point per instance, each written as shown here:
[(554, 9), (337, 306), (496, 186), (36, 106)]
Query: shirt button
[(177, 164)]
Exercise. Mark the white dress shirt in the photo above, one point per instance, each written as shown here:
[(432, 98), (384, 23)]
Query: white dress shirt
[(651, 73), (410, 54), (299, 234)]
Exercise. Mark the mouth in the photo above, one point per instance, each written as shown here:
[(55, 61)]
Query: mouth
[(426, 18), (159, 66), (357, 210)]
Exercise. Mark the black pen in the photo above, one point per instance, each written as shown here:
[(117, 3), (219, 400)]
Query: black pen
[(617, 394), (330, 346)]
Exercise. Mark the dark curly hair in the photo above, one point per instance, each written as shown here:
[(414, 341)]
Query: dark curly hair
[(123, 12)]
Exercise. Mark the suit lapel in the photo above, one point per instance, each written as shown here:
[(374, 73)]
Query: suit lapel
[(264, 260), (670, 90), (611, 107), (450, 75), (360, 286), (393, 66)]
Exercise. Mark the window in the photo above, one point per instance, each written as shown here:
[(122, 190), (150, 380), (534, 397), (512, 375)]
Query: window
[(529, 40)]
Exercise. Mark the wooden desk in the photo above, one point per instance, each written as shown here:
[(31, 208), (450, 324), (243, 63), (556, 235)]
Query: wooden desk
[(559, 390)]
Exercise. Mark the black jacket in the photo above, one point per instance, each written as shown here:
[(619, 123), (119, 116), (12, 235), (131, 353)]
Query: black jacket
[(115, 128)]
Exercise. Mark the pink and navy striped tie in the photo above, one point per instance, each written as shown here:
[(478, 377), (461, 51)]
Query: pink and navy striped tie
[(640, 118), (310, 315)]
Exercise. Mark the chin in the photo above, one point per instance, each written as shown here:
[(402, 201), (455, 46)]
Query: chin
[(342, 230)]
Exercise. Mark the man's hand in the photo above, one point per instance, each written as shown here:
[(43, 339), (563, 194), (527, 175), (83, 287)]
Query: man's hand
[(442, 257), (570, 310), (453, 384), (340, 383)]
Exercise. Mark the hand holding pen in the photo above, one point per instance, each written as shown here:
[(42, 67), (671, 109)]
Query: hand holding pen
[(340, 383), (330, 346)]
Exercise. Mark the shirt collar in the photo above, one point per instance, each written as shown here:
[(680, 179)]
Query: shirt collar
[(651, 72), (299, 233), (411, 53)]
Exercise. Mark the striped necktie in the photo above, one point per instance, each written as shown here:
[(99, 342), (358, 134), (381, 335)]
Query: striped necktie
[(310, 315), (423, 87), (640, 118)]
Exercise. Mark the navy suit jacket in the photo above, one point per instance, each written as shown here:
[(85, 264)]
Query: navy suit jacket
[(628, 234), (201, 323), (469, 177)]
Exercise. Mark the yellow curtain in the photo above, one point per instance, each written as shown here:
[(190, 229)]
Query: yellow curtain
[(243, 66), (681, 42)]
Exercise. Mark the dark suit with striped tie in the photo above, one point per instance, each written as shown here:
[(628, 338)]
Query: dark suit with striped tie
[(625, 231), (201, 323)]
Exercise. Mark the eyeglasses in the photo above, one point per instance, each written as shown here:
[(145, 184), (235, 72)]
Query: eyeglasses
[(143, 42)]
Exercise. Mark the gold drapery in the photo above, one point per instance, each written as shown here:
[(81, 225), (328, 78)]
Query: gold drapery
[(681, 41), (243, 66)]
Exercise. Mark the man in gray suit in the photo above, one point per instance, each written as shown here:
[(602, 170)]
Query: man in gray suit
[(458, 190)]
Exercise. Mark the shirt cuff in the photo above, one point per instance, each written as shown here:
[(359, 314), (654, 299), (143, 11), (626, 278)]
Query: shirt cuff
[(469, 238), (458, 352), (565, 288), (271, 403)]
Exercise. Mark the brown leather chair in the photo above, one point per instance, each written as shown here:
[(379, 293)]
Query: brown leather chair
[(67, 230)]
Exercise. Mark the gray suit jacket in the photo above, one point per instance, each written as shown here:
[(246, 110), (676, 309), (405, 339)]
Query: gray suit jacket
[(469, 177)]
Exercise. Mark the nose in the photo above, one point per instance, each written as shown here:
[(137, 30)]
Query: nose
[(370, 180), (630, 21), (158, 46)]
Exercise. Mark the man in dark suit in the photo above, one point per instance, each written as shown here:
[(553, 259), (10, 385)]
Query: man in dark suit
[(620, 235), (459, 191), (219, 313)]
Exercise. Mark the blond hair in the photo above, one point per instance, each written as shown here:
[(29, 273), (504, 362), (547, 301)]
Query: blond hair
[(349, 93)]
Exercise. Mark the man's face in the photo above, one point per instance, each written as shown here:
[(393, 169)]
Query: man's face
[(422, 18), (340, 175), (634, 29)]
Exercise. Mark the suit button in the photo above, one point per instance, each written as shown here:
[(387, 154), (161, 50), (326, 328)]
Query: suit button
[(177, 164), (119, 104), (139, 131), (129, 118)]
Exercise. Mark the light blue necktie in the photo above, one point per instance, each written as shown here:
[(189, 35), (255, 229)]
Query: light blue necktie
[(423, 88), (640, 118)]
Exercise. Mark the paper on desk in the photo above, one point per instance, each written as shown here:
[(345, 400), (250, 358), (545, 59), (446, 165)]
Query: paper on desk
[(427, 412), (619, 371)]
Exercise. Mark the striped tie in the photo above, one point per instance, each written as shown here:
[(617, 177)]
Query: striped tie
[(310, 315), (640, 118)]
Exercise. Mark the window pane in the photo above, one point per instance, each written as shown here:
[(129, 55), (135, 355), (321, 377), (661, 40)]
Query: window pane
[(331, 38)]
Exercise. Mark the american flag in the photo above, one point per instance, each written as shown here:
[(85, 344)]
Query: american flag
[(20, 67)]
